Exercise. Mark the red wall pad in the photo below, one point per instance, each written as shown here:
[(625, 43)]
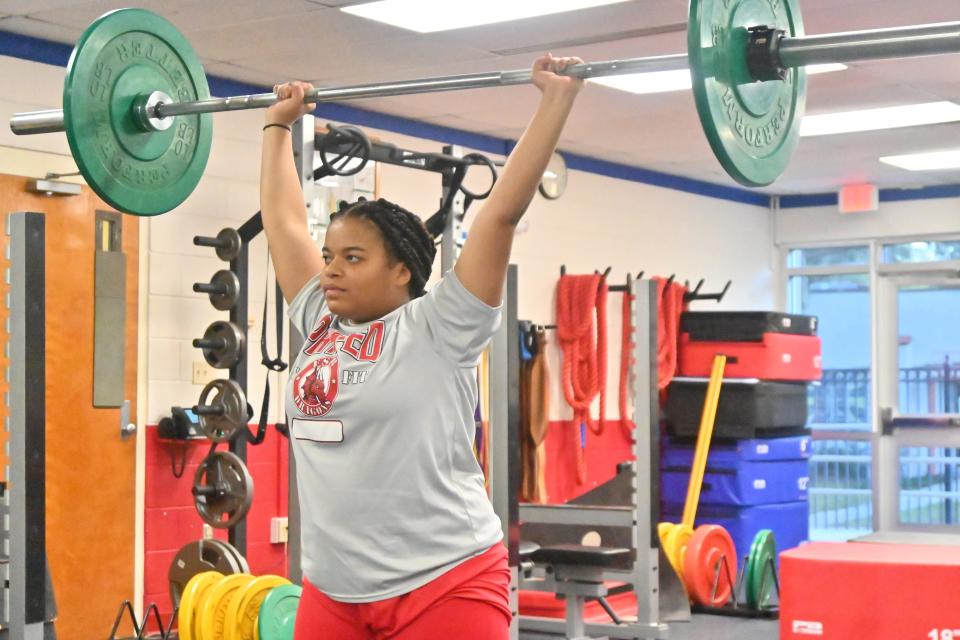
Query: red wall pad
[(846, 591), (778, 356)]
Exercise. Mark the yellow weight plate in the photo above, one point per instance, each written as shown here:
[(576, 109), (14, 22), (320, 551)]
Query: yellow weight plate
[(676, 547), (662, 530), (190, 600), (212, 618), (241, 623)]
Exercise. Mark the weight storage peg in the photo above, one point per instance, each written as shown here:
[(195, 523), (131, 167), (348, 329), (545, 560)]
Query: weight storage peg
[(222, 344), (222, 490), (222, 409), (223, 289), (227, 243)]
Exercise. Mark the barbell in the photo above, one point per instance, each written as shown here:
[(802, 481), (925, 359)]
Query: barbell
[(136, 104)]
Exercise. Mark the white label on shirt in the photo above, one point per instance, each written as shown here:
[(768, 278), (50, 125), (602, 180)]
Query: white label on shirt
[(318, 430)]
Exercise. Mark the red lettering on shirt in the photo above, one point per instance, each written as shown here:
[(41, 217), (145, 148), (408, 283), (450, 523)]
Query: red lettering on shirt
[(365, 347), (352, 344), (372, 343), (321, 328)]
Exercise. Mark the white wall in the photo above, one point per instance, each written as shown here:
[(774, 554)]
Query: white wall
[(892, 220), (599, 222)]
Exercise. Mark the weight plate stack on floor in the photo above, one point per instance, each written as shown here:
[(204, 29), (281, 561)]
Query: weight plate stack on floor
[(212, 617), (199, 557), (244, 609), (194, 595)]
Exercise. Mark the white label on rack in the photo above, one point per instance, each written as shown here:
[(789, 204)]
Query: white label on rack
[(787, 323), (807, 628), (763, 449), (759, 483)]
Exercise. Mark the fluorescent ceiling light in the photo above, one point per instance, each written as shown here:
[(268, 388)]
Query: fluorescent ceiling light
[(426, 16), (910, 115), (932, 161), (652, 82), (679, 80)]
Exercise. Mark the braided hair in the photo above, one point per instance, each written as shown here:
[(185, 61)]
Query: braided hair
[(404, 234)]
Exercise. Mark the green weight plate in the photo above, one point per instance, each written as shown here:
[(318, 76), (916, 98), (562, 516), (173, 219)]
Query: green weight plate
[(760, 579), (278, 613), (123, 55), (753, 127)]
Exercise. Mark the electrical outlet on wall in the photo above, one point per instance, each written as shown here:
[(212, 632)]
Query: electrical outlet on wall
[(202, 372), (278, 530)]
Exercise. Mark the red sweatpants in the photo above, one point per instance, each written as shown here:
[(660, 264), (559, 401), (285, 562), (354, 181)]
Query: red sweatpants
[(469, 602)]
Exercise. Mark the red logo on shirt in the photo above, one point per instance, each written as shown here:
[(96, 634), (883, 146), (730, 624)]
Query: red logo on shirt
[(315, 387), (363, 347)]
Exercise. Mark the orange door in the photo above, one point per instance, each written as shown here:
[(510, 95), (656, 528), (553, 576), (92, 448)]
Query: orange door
[(90, 469)]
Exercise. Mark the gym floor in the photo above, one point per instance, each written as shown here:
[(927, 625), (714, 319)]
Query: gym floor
[(724, 628)]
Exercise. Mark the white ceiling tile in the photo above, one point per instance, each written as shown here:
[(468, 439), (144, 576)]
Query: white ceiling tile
[(323, 35), (240, 74), (40, 29), (186, 15), (22, 7)]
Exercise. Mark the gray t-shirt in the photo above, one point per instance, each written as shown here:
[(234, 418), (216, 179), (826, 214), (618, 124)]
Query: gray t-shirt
[(381, 419)]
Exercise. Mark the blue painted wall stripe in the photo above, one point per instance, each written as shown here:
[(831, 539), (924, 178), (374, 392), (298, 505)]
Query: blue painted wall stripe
[(886, 195), (16, 45)]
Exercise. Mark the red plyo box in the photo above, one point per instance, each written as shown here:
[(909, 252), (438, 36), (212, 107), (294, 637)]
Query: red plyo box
[(778, 356), (875, 591)]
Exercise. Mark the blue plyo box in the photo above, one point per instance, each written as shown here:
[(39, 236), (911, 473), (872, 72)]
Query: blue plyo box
[(745, 473)]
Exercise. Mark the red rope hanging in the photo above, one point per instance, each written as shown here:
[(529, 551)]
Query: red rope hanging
[(584, 371), (670, 307), (626, 358)]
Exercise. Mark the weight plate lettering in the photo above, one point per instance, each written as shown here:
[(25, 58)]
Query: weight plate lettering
[(212, 618)]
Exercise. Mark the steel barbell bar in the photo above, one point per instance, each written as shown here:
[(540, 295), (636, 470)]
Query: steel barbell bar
[(794, 52), (136, 101)]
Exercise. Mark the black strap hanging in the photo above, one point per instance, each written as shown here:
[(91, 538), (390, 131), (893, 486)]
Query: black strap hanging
[(272, 364), (437, 222)]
